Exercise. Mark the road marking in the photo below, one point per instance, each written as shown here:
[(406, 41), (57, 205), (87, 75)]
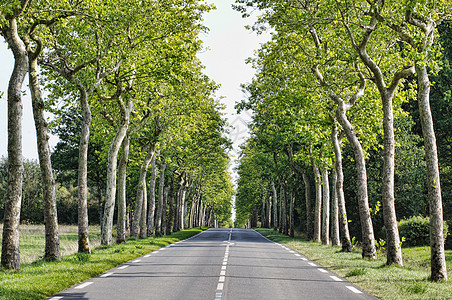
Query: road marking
[(123, 267), (354, 290), (225, 263), (136, 261), (296, 254), (313, 264), (218, 296), (155, 252), (223, 267), (223, 273), (302, 258), (106, 274), (56, 298), (220, 286), (147, 255), (335, 278), (83, 285), (322, 270), (222, 278)]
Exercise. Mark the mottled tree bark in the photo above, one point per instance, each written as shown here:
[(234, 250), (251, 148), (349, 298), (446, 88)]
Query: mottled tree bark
[(318, 203), (335, 240), (342, 213), (10, 241), (122, 203), (52, 240), (158, 226), (275, 206), (291, 220), (170, 219), (106, 235), (326, 207), (164, 210), (144, 212), (307, 196), (151, 204), (437, 254)]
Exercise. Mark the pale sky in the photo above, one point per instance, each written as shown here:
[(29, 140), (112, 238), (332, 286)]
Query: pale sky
[(229, 44)]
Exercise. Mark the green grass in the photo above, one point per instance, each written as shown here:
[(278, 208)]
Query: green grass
[(32, 240), (385, 282), (41, 279)]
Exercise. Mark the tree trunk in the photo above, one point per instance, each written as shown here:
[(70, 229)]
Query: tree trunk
[(122, 202), (367, 230), (164, 216), (282, 196), (151, 211), (335, 240), (307, 195), (275, 207), (52, 243), (318, 203), (343, 222), (170, 218), (107, 236), (139, 205), (144, 212), (269, 212), (291, 220), (393, 249), (83, 234), (158, 229), (437, 254), (10, 241), (182, 207), (326, 207)]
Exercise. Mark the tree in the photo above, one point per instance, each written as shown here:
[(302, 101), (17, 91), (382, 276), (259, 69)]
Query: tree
[(10, 16)]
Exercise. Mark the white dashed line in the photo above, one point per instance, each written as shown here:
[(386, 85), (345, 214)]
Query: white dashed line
[(147, 255), (83, 285), (218, 296), (354, 290), (296, 254), (313, 264), (223, 273), (223, 267), (302, 258), (335, 278), (220, 286), (322, 270), (123, 267), (225, 263), (136, 261), (106, 274), (56, 298), (221, 279)]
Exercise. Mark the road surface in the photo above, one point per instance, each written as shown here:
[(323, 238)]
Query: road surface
[(218, 264)]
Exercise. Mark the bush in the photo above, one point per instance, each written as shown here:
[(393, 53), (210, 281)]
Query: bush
[(416, 231)]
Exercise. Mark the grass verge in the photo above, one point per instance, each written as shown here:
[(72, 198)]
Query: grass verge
[(41, 279), (385, 282)]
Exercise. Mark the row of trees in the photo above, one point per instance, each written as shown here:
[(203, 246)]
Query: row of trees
[(129, 98), (336, 75)]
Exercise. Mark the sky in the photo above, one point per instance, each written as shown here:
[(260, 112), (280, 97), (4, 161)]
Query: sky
[(228, 44)]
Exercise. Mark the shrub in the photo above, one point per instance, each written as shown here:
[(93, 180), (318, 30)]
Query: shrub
[(416, 231)]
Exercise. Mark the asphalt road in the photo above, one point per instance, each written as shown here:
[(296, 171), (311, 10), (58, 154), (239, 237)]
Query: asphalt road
[(218, 264)]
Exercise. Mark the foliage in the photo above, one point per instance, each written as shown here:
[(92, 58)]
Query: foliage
[(416, 231)]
